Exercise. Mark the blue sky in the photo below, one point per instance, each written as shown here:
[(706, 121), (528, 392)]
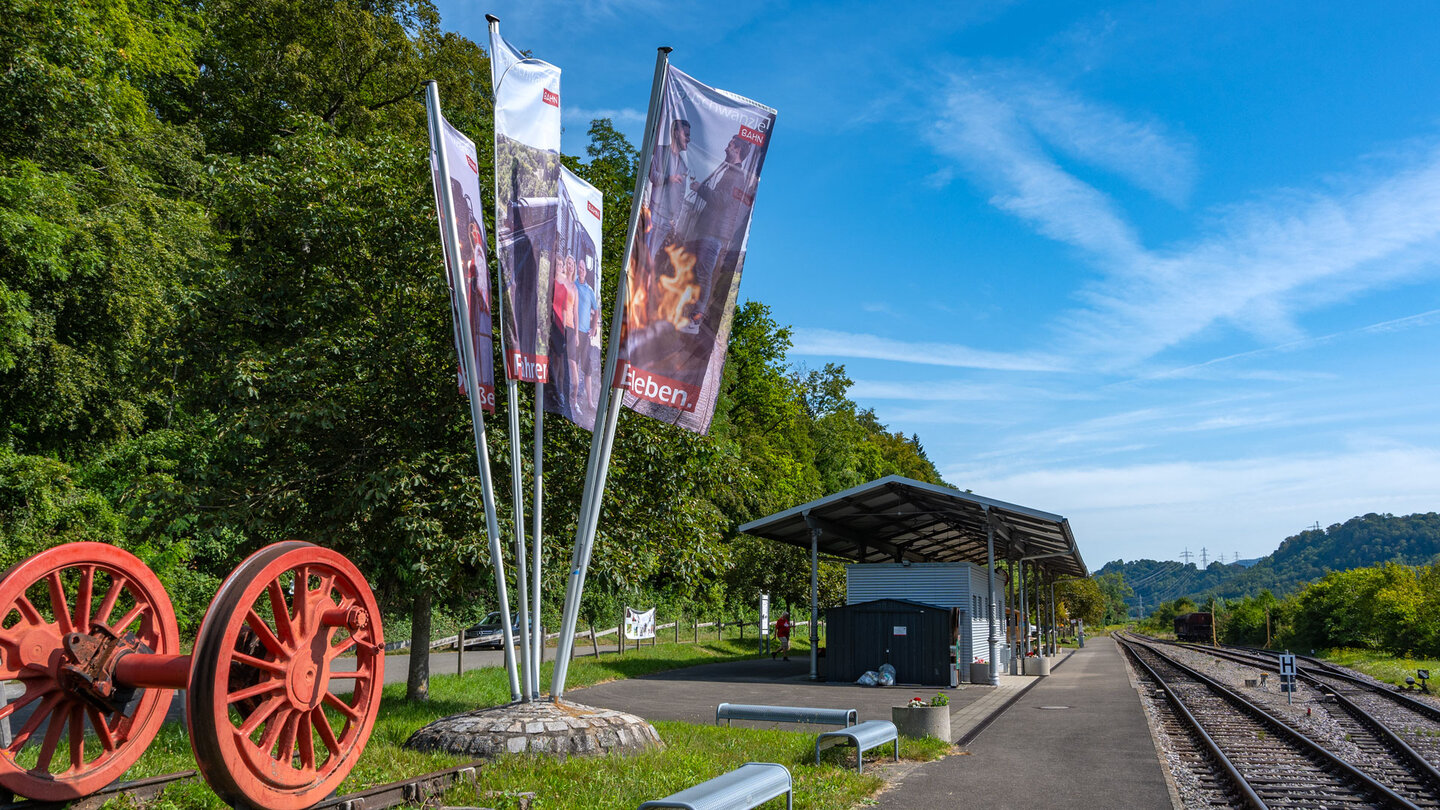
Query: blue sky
[(1172, 272)]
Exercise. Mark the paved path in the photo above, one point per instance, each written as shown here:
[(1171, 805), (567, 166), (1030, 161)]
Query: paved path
[(1077, 741)]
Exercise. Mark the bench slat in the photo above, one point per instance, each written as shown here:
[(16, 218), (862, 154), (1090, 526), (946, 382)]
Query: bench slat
[(864, 736), (749, 785), (786, 714)]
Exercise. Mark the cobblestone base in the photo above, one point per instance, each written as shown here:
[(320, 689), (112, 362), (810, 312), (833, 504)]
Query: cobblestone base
[(562, 729)]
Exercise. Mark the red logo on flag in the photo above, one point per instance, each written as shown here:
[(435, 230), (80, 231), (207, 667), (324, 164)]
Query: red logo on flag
[(473, 167), (553, 99), (592, 209), (753, 136)]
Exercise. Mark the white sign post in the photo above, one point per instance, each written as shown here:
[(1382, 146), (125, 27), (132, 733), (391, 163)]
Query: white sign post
[(764, 623), (1287, 676)]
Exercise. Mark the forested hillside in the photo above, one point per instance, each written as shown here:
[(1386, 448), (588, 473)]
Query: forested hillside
[(1303, 558), (223, 323)]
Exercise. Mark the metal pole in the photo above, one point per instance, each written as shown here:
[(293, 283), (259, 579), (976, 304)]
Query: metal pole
[(1054, 642), (603, 441), (472, 384), (994, 632), (1024, 611), (1011, 628), (814, 603), (537, 530), (517, 490)]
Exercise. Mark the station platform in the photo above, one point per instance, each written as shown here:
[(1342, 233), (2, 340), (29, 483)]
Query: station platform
[(1076, 739)]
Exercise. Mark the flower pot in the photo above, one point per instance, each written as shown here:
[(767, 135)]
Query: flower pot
[(922, 721), (980, 673)]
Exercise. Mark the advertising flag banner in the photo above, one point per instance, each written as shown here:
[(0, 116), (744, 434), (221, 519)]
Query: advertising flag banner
[(575, 364), (639, 624), (469, 273), (689, 249), (527, 172)]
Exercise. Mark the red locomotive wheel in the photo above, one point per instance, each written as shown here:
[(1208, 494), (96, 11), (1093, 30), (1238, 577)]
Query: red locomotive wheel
[(66, 747), (267, 728)]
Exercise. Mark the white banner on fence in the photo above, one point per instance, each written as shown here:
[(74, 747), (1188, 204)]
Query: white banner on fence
[(639, 623)]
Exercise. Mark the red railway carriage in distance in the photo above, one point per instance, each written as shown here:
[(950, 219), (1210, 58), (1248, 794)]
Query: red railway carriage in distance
[(1194, 627)]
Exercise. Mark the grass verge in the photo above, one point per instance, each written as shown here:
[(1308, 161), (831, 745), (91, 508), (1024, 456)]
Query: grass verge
[(1384, 667), (692, 753)]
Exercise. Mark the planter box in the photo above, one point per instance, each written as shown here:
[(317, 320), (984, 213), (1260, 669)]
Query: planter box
[(1037, 665), (922, 721), (980, 673)]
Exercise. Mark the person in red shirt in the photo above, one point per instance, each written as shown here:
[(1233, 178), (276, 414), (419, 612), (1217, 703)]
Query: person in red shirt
[(782, 632)]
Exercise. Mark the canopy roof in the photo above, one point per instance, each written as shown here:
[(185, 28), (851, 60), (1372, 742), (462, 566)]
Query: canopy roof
[(896, 519)]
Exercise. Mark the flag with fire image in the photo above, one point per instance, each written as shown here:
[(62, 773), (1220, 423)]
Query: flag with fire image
[(689, 249), (472, 308), (527, 176), (575, 365)]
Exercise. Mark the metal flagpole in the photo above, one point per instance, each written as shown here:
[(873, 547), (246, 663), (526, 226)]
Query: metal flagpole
[(472, 383), (603, 440), (517, 489), (536, 532)]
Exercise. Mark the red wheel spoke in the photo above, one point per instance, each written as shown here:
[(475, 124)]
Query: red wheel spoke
[(327, 585), (83, 598), (278, 607), (306, 743), (263, 632), (25, 700), (28, 611), (350, 675), (129, 618), (339, 649), (273, 727), (260, 664), (107, 605), (263, 688), (52, 737), (58, 604), (77, 739), (41, 712), (260, 715), (300, 593), (335, 702), (285, 751), (102, 729), (321, 721)]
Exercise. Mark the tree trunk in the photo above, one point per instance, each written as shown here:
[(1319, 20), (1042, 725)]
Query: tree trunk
[(417, 683)]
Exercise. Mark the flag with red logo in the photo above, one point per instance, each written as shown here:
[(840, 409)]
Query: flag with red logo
[(575, 322), (469, 273), (527, 167), (689, 249)]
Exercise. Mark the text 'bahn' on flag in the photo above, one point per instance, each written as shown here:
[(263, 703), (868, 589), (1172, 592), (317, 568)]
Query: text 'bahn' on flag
[(527, 177), (468, 274), (689, 249)]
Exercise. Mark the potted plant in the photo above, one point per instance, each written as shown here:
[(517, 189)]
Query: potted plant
[(919, 718)]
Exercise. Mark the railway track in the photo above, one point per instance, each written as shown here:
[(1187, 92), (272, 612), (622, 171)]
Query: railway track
[(417, 790), (1247, 757)]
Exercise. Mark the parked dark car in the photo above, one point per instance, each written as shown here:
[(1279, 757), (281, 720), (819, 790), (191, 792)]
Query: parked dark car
[(487, 632), (1194, 627)]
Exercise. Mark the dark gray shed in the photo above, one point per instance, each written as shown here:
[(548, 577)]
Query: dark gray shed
[(912, 636)]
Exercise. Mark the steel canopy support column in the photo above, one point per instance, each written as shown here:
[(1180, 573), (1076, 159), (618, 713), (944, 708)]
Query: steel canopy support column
[(990, 561), (1054, 634), (1011, 629), (814, 598), (1024, 611)]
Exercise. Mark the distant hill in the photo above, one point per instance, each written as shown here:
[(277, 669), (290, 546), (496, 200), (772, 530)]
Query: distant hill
[(1361, 541)]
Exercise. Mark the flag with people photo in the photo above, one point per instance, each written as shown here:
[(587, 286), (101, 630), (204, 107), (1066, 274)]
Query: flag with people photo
[(688, 249), (575, 365), (527, 171), (469, 273)]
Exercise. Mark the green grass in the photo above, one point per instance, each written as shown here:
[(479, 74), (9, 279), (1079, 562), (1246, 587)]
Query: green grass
[(692, 753), (1384, 667)]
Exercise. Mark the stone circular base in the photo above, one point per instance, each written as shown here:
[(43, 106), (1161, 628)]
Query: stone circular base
[(546, 727)]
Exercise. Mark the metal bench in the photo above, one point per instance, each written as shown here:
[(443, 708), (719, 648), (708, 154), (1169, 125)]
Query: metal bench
[(864, 736), (785, 714), (749, 785)]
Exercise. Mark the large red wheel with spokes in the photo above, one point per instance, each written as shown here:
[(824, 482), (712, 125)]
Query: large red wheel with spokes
[(267, 728), (71, 742)]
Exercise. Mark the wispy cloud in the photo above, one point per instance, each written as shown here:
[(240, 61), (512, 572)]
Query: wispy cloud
[(1152, 510), (831, 343), (1263, 264), (957, 390)]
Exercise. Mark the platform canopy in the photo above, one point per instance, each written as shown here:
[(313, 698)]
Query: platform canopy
[(895, 519)]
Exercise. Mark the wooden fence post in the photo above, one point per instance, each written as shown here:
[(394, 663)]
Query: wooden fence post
[(594, 645)]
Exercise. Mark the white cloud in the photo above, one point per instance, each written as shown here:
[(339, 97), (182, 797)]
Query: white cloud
[(954, 390), (831, 343)]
